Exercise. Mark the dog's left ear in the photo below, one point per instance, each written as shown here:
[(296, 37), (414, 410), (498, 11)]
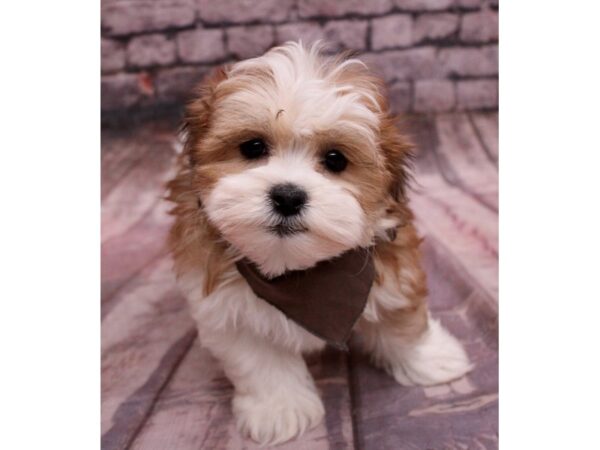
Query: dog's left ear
[(198, 112), (398, 152)]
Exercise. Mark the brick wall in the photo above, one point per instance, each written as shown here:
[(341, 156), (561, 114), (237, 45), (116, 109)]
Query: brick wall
[(436, 55)]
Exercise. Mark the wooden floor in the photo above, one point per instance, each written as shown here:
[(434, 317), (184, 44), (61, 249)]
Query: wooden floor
[(161, 390)]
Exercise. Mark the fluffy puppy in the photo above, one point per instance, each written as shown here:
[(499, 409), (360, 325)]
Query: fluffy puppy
[(294, 117)]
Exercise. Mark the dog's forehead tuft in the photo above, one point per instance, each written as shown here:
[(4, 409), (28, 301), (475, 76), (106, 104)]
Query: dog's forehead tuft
[(305, 91)]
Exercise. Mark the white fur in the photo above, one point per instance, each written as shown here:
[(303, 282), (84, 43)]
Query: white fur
[(305, 89), (435, 357), (240, 208)]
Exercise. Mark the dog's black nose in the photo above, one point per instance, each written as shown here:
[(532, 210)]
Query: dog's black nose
[(288, 199)]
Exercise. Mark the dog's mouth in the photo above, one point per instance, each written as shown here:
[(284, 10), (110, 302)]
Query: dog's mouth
[(287, 228)]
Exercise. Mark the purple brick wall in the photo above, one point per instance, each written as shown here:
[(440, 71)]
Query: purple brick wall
[(436, 55)]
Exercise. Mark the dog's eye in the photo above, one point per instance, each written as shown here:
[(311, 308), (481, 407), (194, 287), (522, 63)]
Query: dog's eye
[(335, 161), (253, 149)]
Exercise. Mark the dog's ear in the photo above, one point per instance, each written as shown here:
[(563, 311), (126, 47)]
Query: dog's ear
[(398, 152), (396, 147), (199, 111)]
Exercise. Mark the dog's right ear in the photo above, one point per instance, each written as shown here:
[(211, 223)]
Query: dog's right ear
[(198, 112), (398, 154)]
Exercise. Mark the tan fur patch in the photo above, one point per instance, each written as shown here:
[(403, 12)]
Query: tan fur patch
[(401, 258)]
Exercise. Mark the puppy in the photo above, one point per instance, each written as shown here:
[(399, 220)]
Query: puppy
[(291, 159)]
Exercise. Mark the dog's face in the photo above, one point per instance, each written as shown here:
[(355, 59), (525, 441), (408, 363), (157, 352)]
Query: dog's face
[(291, 160)]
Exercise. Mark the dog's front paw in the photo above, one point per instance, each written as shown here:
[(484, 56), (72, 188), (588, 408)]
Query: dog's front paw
[(436, 358), (278, 417)]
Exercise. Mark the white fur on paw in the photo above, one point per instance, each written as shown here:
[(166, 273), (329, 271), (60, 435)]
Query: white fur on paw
[(279, 417), (436, 358)]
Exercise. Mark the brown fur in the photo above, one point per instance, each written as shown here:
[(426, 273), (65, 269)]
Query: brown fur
[(400, 260)]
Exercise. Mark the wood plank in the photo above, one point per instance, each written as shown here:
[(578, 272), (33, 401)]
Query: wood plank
[(461, 414), (144, 337), (146, 329), (141, 190), (134, 214), (463, 225), (120, 154), (458, 142), (123, 149), (194, 411), (126, 256), (486, 127), (421, 131), (461, 159), (458, 203)]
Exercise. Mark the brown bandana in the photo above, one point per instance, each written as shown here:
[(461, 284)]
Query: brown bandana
[(326, 299)]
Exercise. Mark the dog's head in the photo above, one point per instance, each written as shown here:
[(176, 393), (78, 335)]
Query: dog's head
[(294, 157)]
